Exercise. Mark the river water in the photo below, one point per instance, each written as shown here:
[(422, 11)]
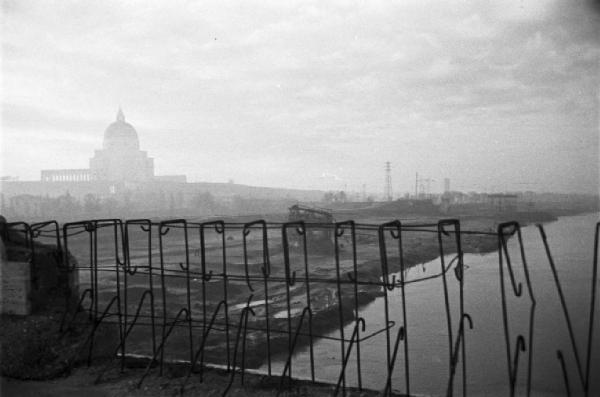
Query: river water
[(571, 241)]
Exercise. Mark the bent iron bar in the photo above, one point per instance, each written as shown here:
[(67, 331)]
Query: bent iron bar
[(454, 345), (219, 228), (395, 230), (266, 272), (112, 253), (355, 338), (583, 372), (40, 230), (115, 302), (290, 277), (184, 314), (340, 229), (200, 351), (163, 230), (37, 231), (15, 227), (288, 364), (506, 230), (145, 225), (243, 320)]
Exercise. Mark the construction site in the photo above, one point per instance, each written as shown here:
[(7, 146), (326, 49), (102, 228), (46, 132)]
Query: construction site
[(263, 297)]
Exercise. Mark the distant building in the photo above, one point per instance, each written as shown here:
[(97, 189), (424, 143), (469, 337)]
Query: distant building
[(119, 160), (120, 175), (503, 202)]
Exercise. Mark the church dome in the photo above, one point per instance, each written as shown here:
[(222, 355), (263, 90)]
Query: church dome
[(120, 135)]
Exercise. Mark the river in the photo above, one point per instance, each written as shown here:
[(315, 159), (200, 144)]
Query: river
[(571, 241)]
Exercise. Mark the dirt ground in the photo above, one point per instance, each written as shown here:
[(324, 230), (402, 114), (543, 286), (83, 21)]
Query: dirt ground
[(81, 382)]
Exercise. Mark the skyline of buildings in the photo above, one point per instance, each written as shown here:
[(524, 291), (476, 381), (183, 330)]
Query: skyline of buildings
[(121, 164)]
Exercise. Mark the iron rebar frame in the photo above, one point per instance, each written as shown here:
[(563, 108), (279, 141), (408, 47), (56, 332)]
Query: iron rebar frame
[(128, 252)]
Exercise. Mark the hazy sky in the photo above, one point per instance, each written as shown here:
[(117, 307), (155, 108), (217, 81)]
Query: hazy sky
[(495, 95)]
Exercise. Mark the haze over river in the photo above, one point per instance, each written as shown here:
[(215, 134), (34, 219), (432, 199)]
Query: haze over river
[(571, 241)]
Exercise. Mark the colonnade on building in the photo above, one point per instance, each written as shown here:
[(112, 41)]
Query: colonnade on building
[(119, 160), (70, 175)]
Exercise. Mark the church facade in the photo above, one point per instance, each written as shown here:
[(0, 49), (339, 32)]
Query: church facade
[(119, 160)]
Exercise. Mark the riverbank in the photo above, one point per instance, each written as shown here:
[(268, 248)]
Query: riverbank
[(418, 247), (334, 308)]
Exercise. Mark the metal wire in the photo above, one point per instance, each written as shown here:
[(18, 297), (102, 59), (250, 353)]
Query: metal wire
[(256, 288)]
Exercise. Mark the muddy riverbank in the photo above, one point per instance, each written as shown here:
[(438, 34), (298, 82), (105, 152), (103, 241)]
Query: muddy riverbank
[(277, 306)]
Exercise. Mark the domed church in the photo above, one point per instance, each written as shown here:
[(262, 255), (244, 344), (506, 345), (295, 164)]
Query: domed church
[(120, 158)]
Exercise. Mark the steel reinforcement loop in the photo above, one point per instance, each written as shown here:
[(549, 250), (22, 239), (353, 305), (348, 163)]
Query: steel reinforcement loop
[(442, 231), (37, 230), (266, 266), (91, 228), (505, 230), (300, 228), (387, 285), (340, 228), (109, 247), (163, 228), (395, 229), (26, 232)]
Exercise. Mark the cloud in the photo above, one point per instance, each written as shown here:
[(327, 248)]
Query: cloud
[(305, 84), (32, 118)]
